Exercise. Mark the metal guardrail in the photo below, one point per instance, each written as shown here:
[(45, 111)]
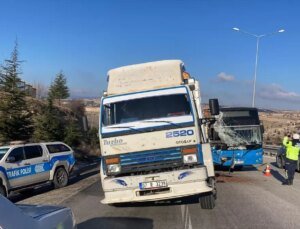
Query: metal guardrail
[(270, 150)]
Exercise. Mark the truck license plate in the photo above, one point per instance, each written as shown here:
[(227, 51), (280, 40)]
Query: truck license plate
[(153, 184)]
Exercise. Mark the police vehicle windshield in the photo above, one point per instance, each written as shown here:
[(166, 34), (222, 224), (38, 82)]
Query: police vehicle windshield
[(3, 151)]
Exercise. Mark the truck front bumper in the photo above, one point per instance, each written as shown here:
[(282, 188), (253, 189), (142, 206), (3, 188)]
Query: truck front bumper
[(180, 183)]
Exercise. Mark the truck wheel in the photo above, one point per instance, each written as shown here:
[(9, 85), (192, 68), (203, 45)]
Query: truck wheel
[(2, 190), (60, 178), (279, 162), (207, 201)]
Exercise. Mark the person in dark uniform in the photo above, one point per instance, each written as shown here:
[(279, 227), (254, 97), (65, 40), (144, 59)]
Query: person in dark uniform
[(292, 154)]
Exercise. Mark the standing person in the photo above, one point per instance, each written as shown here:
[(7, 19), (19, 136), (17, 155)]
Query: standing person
[(292, 154)]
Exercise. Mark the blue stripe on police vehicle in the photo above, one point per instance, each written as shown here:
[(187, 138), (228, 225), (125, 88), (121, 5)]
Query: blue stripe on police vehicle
[(37, 168)]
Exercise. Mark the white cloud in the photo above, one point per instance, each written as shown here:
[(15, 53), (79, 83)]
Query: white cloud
[(276, 92), (223, 77)]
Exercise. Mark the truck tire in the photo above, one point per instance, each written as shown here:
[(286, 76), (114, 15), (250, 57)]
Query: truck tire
[(2, 190), (279, 162), (207, 201), (61, 178)]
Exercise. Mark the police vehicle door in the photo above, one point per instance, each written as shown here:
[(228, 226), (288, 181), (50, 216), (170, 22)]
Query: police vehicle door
[(36, 158), (14, 167)]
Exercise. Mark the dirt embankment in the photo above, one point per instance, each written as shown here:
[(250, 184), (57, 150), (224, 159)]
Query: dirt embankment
[(278, 124)]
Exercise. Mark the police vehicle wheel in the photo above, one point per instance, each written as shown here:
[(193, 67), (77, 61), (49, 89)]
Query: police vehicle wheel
[(60, 178), (207, 201), (279, 162), (2, 190)]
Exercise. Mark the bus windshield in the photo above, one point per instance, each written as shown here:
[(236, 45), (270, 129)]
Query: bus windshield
[(145, 108), (240, 117), (238, 126)]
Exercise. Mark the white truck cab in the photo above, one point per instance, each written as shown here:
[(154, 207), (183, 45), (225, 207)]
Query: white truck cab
[(152, 136), (23, 166)]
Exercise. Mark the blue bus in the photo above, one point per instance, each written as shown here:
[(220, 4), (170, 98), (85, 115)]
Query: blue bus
[(237, 137)]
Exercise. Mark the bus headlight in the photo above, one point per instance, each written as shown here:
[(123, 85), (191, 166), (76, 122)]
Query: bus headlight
[(190, 158)]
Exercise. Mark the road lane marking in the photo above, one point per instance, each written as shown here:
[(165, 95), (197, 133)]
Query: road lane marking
[(186, 217)]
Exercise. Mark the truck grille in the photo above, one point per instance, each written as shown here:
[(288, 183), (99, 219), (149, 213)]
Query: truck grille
[(151, 160)]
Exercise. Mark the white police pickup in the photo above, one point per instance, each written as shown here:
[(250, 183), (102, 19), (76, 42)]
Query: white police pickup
[(24, 166)]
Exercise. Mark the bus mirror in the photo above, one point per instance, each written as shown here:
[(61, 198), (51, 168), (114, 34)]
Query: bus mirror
[(214, 107)]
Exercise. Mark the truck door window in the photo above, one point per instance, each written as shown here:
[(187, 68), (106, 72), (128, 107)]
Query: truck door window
[(33, 151), (17, 153)]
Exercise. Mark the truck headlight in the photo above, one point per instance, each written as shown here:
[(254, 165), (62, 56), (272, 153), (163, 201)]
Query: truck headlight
[(114, 168), (113, 165), (190, 158), (189, 155)]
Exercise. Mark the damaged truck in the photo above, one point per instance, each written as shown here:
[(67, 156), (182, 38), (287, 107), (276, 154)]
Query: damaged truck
[(152, 136)]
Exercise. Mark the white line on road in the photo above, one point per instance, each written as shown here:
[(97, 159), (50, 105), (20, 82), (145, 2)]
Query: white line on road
[(186, 217)]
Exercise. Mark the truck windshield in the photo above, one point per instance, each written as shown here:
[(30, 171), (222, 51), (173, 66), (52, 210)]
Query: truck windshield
[(3, 151), (146, 108)]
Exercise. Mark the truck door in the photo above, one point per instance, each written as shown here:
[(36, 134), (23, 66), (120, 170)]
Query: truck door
[(13, 165), (37, 159)]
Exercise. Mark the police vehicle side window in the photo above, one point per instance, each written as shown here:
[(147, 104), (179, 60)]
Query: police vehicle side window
[(17, 153), (58, 148), (33, 151)]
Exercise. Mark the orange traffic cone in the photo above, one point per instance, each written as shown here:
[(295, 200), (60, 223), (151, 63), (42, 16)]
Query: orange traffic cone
[(267, 172)]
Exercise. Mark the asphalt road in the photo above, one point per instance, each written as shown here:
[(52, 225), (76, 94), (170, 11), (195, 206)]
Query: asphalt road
[(246, 199)]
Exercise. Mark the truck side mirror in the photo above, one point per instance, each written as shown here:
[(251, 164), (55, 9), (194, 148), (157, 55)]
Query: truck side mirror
[(214, 107), (11, 159)]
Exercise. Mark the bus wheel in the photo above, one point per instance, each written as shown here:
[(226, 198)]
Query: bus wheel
[(207, 201)]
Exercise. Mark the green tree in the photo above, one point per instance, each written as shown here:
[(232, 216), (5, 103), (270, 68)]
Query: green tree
[(92, 137), (49, 124), (73, 133), (15, 116), (59, 89)]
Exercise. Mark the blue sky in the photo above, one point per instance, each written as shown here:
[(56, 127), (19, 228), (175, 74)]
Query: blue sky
[(87, 38)]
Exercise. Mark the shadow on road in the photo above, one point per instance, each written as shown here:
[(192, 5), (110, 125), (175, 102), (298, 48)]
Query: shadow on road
[(19, 196), (179, 201), (275, 165), (116, 222), (236, 169), (277, 175)]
